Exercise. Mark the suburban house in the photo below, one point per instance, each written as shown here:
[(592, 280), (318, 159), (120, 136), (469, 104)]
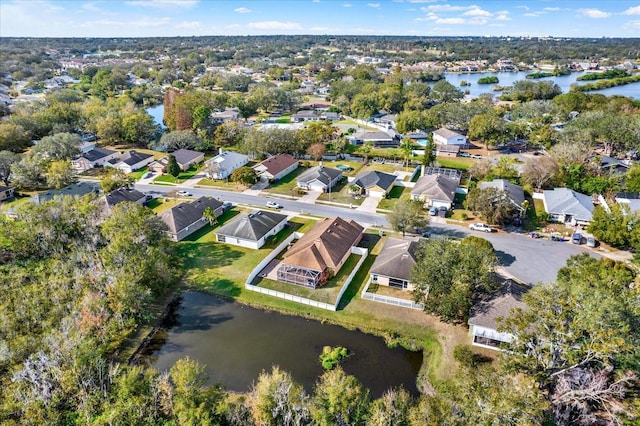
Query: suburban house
[(379, 139), (75, 190), (319, 178), (5, 193), (187, 157), (305, 115), (222, 165), (387, 120), (630, 201), (483, 317), (276, 167), (320, 253), (374, 183), (448, 137), (159, 166), (613, 165), (513, 191), (186, 218), (229, 114), (568, 206), (130, 161), (394, 264), (121, 195), (251, 229), (435, 190), (447, 150), (96, 157)]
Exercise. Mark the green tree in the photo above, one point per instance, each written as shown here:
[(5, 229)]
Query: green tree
[(407, 151), (114, 179), (493, 205), (7, 159), (407, 215), (488, 128), (60, 174), (61, 146), (443, 91), (13, 137), (448, 287), (210, 215), (179, 139), (632, 178), (392, 409), (244, 175), (29, 172), (139, 128), (339, 399), (172, 166)]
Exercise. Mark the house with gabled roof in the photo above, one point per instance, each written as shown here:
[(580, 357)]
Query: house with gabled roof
[(130, 161), (5, 192), (445, 136), (276, 167), (568, 206), (121, 195), (96, 157), (484, 315), (374, 183), (379, 139), (222, 165), (320, 253), (251, 230), (188, 157), (319, 178), (394, 265), (75, 190), (435, 190), (514, 192), (186, 218), (229, 114)]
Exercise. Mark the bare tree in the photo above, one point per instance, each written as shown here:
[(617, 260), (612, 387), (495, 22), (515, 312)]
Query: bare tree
[(539, 171)]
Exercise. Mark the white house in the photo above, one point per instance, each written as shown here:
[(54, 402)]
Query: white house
[(276, 167), (222, 165), (130, 161), (319, 178), (448, 137), (97, 157), (251, 230), (567, 206)]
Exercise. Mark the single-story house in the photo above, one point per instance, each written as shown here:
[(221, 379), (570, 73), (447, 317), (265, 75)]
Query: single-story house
[(186, 218), (448, 137), (513, 191), (483, 317), (121, 195), (130, 161), (187, 157), (379, 139), (251, 229), (229, 114), (321, 252), (630, 201), (435, 190), (394, 264), (305, 115), (5, 193), (613, 165), (222, 165), (276, 167), (96, 157), (159, 166), (568, 206), (75, 190), (374, 183), (329, 116), (447, 150), (319, 178)]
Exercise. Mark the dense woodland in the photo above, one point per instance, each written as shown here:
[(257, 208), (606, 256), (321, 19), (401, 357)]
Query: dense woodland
[(76, 284)]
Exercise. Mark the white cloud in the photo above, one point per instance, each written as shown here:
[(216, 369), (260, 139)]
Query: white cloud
[(189, 25), (275, 25), (594, 13), (163, 3), (477, 12), (346, 5), (451, 21), (374, 5), (445, 8), (632, 11), (534, 14), (242, 10), (523, 7), (551, 9), (502, 15), (632, 25)]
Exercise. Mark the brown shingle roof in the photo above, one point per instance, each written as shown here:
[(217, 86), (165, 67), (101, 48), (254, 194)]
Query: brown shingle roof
[(277, 163), (325, 244)]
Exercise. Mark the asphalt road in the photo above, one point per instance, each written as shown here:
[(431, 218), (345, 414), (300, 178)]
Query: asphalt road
[(529, 260)]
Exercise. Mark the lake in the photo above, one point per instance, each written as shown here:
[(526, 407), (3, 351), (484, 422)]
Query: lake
[(237, 342), (157, 112)]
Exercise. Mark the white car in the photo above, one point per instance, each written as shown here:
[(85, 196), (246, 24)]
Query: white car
[(183, 193), (480, 227), (273, 205)]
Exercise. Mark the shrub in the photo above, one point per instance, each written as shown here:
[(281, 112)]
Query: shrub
[(330, 357)]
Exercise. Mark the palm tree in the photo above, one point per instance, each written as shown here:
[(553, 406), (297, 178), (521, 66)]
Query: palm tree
[(407, 151), (210, 215)]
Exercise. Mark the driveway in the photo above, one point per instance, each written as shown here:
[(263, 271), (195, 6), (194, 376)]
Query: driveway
[(310, 197), (369, 205)]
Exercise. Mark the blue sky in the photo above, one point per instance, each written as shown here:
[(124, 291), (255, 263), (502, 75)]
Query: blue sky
[(149, 18)]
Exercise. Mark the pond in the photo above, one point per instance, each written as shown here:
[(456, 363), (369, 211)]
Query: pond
[(237, 342), (157, 113)]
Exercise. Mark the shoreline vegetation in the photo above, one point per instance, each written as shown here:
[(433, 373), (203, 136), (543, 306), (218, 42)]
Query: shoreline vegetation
[(605, 84)]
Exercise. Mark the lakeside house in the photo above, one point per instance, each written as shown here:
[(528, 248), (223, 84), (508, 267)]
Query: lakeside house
[(252, 230), (394, 265), (130, 161), (186, 218)]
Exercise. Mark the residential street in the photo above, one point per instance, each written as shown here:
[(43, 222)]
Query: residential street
[(529, 260)]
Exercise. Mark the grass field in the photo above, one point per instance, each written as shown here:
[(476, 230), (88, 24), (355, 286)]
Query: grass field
[(227, 186), (183, 176), (396, 193)]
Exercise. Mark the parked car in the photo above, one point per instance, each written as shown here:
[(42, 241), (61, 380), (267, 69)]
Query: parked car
[(592, 242), (183, 193), (273, 205), (464, 154), (433, 210), (556, 236), (576, 238), (477, 156), (226, 205), (147, 175), (483, 227), (442, 211)]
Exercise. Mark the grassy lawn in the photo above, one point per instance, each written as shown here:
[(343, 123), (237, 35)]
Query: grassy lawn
[(327, 293), (222, 184), (384, 290), (396, 193), (340, 194), (460, 163), (286, 185), (158, 205), (187, 174), (137, 175)]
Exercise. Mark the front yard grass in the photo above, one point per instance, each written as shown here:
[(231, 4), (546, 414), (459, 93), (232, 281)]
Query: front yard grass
[(396, 193), (222, 184), (287, 185), (183, 176), (340, 194)]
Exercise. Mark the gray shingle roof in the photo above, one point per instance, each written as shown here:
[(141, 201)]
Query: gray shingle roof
[(185, 156), (375, 178), (499, 305), (131, 158), (179, 217), (446, 133), (436, 187), (121, 195), (74, 190), (513, 191), (396, 259), (322, 174), (96, 154), (568, 202), (252, 226)]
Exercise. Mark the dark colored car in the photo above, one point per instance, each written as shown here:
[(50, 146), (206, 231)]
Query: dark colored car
[(576, 238)]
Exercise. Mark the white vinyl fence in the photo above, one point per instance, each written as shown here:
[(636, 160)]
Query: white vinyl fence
[(403, 303)]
